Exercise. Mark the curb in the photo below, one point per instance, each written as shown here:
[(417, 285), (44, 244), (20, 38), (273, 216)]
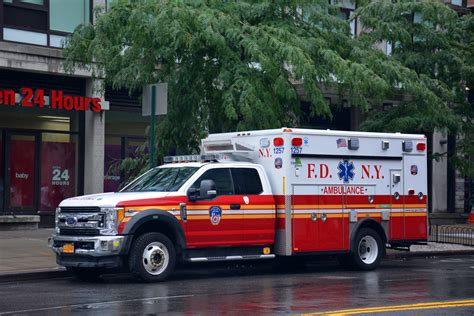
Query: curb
[(418, 254), (34, 275), (60, 272)]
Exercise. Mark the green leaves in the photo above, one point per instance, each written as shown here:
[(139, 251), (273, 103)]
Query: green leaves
[(235, 65), (434, 48)]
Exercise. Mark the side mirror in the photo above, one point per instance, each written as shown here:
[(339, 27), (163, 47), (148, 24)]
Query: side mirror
[(207, 190), (193, 194)]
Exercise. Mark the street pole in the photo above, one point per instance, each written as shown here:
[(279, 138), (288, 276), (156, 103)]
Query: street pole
[(152, 126)]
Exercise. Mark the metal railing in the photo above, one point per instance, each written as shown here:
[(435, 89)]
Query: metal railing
[(450, 234)]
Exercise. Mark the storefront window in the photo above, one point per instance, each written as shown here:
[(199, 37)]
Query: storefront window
[(113, 156), (22, 158), (116, 149), (59, 159), (66, 15)]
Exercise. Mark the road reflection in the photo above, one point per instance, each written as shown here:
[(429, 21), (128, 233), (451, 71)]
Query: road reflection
[(257, 289)]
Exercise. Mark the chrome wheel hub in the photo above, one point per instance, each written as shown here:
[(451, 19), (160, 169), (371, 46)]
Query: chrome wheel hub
[(368, 249), (155, 258)]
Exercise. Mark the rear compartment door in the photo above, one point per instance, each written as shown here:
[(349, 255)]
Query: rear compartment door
[(397, 215)]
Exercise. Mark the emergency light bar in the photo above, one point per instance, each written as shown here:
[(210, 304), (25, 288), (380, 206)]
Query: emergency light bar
[(195, 158)]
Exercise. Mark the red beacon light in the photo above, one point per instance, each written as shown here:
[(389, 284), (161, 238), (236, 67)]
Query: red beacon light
[(421, 146), (297, 142), (278, 142)]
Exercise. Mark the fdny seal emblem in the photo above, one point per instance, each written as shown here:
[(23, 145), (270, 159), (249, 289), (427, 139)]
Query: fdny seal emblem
[(215, 213)]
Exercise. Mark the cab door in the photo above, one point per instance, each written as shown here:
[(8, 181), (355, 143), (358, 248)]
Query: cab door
[(217, 221), (257, 208)]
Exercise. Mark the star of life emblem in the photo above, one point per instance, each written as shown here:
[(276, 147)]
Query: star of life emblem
[(346, 171)]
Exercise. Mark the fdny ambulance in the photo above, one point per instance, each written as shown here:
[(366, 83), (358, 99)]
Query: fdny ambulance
[(255, 195)]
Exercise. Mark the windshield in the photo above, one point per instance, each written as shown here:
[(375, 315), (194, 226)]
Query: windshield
[(162, 180)]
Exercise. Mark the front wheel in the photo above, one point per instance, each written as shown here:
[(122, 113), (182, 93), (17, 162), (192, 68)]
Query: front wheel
[(152, 257)]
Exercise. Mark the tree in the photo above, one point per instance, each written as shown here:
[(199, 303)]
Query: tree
[(429, 38), (233, 65)]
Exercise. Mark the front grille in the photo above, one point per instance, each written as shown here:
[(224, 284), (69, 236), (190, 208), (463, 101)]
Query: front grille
[(78, 232), (80, 209)]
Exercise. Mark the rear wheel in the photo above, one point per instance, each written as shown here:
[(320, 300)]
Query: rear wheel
[(368, 249), (152, 257), (366, 253)]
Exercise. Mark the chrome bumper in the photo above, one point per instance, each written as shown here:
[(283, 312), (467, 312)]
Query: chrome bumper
[(95, 246)]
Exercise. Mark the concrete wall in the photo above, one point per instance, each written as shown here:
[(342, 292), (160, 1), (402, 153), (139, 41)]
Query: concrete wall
[(94, 143), (24, 57), (439, 196)]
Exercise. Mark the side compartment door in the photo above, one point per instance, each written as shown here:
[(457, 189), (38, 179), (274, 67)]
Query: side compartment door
[(397, 215), (331, 219), (215, 222), (305, 222)]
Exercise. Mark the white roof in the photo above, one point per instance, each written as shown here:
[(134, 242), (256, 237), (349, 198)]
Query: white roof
[(200, 164), (319, 132)]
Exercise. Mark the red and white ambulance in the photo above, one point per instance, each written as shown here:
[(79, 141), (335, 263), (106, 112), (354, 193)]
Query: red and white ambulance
[(255, 195)]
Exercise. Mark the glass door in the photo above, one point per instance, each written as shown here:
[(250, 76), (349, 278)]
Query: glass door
[(22, 173)]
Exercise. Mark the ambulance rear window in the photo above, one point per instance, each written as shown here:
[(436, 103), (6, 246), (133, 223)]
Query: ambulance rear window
[(246, 181)]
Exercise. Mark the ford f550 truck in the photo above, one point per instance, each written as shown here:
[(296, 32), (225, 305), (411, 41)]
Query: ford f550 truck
[(255, 195)]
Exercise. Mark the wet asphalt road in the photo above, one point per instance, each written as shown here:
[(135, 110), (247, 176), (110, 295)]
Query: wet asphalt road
[(440, 286)]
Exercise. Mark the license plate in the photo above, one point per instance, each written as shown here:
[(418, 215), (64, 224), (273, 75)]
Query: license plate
[(68, 248)]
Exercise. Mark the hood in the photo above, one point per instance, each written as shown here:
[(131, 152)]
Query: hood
[(109, 199)]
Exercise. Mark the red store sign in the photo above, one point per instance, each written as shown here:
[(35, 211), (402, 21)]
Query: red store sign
[(57, 100)]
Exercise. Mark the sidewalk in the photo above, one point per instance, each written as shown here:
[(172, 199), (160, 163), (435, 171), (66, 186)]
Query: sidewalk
[(25, 254)]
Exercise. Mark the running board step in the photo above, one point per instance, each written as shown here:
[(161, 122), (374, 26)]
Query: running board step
[(250, 257)]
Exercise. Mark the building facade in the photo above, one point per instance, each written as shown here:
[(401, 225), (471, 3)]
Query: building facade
[(48, 154)]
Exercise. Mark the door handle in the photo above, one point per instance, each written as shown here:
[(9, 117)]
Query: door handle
[(235, 206), (183, 212), (324, 217)]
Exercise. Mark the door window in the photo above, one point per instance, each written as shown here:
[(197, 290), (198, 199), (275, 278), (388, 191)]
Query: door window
[(222, 179), (246, 181)]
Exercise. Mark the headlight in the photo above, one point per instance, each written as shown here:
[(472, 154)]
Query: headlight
[(112, 218), (56, 219)]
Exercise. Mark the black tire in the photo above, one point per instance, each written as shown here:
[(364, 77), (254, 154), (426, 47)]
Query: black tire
[(159, 261), (85, 274), (367, 250)]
